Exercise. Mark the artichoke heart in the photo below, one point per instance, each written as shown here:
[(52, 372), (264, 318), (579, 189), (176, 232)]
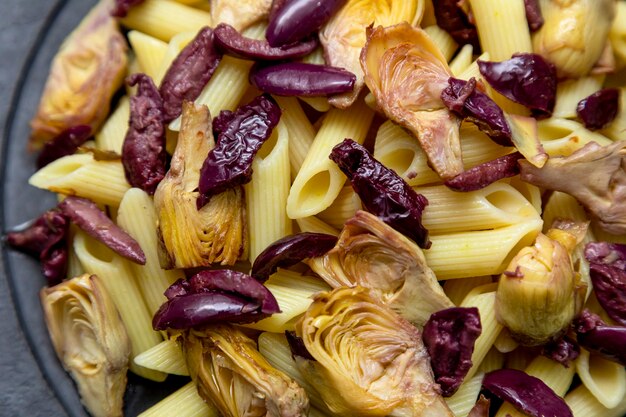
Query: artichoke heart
[(88, 69), (90, 339), (368, 360), (540, 292), (344, 35), (189, 237), (371, 254), (406, 72), (239, 13), (230, 372)]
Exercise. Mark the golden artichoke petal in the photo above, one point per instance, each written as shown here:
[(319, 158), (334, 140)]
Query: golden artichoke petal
[(406, 72), (88, 69), (239, 13), (369, 354), (216, 233), (371, 254), (90, 339), (231, 373), (540, 294)]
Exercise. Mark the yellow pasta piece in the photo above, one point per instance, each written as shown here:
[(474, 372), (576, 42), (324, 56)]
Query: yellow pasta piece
[(505, 343), (301, 132), (487, 252), (294, 293), (111, 136), (462, 61), (186, 402), (266, 193), (483, 298), (443, 40), (314, 225), (320, 180), (80, 174), (616, 130), (562, 137), (570, 92), (606, 380), (617, 34), (138, 217), (320, 104), (584, 404), (462, 402), (163, 19), (343, 208), (457, 289), (117, 278), (149, 51), (166, 357), (472, 70), (493, 360)]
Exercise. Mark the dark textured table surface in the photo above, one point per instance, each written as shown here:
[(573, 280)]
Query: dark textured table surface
[(23, 390)]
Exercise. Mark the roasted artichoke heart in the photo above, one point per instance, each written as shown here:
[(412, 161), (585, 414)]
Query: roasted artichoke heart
[(239, 13), (190, 237), (373, 255), (88, 69), (368, 360), (344, 35), (540, 293), (406, 72), (90, 339), (230, 372)]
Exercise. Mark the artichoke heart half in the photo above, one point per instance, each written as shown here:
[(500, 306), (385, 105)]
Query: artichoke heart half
[(230, 372), (240, 14), (406, 72), (88, 69), (189, 237), (344, 35), (371, 254), (90, 339), (368, 360), (540, 292)]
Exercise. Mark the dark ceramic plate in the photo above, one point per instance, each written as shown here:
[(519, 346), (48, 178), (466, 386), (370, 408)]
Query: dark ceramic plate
[(21, 202)]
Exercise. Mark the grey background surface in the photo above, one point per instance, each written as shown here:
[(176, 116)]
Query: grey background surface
[(23, 390)]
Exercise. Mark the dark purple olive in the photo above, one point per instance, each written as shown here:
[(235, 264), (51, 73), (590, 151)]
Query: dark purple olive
[(143, 152), (229, 163), (214, 296), (46, 240), (527, 79), (461, 97), (297, 347), (189, 73), (451, 18), (121, 7), (526, 393), (487, 173), (564, 351), (607, 269), (301, 79), (294, 20), (599, 109), (449, 337), (533, 14), (233, 43), (289, 251), (66, 143), (87, 216), (596, 336), (382, 191)]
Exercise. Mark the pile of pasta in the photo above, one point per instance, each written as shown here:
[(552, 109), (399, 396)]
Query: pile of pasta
[(296, 187)]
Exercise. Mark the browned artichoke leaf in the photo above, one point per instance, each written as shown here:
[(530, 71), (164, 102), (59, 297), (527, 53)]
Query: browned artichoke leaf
[(239, 13), (90, 339), (230, 372), (406, 72), (371, 254), (87, 70), (595, 175), (369, 361), (189, 237)]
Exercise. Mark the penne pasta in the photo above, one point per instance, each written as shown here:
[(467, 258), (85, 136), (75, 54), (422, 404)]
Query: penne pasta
[(301, 132), (165, 357), (505, 343), (617, 128), (462, 402), (149, 52), (562, 137), (186, 402), (343, 208), (112, 134), (457, 289), (472, 70), (103, 182), (117, 278), (320, 104), (604, 379), (493, 360), (570, 92), (266, 193), (163, 19), (462, 61), (583, 404), (314, 225), (443, 40), (320, 180)]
